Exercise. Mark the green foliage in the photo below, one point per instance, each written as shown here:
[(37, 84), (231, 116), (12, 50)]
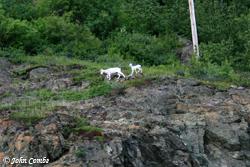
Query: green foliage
[(68, 38), (42, 94), (98, 90), (29, 111), (242, 44), (217, 52), (243, 79), (87, 129), (143, 16), (212, 72), (12, 53), (177, 15), (149, 50), (19, 9), (80, 153), (100, 16), (82, 125), (19, 34), (111, 31), (28, 118), (214, 21), (4, 95)]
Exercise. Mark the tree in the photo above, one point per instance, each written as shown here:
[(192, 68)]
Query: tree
[(193, 28)]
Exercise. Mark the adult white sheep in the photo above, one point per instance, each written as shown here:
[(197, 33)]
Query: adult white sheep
[(110, 71), (136, 68)]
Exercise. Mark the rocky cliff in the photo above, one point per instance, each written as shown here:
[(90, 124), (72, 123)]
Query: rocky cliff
[(166, 122)]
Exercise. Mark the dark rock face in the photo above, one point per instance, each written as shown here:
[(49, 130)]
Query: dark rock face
[(39, 73), (57, 84), (167, 123), (185, 53)]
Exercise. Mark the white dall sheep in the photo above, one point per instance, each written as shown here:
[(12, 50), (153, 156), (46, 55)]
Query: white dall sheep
[(110, 71), (136, 68)]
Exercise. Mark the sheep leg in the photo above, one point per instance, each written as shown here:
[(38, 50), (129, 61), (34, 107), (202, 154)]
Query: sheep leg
[(140, 70), (132, 73), (109, 77), (123, 75), (118, 76)]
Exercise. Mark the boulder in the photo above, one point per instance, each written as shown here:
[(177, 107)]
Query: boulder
[(58, 84), (39, 73)]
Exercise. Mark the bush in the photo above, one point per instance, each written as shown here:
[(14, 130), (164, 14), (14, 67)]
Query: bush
[(146, 49), (19, 34), (100, 16), (11, 53), (242, 43), (212, 72), (19, 9), (217, 52), (68, 38)]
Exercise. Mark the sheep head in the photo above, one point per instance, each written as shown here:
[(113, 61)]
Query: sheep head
[(101, 71)]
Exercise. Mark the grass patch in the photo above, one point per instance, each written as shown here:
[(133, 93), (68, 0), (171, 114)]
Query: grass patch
[(30, 111), (100, 138), (85, 129), (23, 71), (220, 85), (5, 107), (90, 74), (28, 118), (243, 79), (136, 82), (6, 94), (42, 94), (80, 153), (70, 95), (219, 76), (37, 104), (96, 90)]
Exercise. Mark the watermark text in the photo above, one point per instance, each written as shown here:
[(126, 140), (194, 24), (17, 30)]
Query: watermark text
[(23, 160)]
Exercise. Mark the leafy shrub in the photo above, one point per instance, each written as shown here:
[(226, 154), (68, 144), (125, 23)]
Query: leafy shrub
[(70, 39), (242, 43), (100, 16), (12, 53), (149, 50), (80, 152), (217, 52), (212, 72), (19, 9), (19, 34), (96, 90)]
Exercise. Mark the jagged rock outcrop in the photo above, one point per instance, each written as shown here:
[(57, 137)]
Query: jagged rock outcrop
[(186, 51), (167, 122)]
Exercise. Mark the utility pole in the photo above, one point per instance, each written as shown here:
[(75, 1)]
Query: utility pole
[(194, 28)]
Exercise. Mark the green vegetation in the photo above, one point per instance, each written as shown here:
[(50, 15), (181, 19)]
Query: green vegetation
[(82, 125), (7, 94), (36, 104), (80, 153), (95, 34), (29, 111), (146, 32), (94, 91)]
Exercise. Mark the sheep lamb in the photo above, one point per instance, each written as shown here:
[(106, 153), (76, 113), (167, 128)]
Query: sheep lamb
[(111, 71), (136, 68)]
